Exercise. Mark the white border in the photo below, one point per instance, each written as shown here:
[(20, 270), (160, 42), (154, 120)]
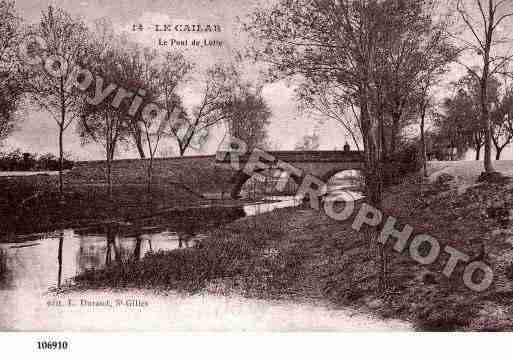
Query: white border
[(265, 345)]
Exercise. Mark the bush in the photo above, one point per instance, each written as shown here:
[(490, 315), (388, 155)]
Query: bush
[(10, 161), (188, 269), (18, 161), (400, 164), (48, 162)]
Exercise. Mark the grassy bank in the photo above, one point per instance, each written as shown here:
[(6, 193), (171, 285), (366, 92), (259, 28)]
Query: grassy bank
[(303, 254), (33, 204), (240, 257)]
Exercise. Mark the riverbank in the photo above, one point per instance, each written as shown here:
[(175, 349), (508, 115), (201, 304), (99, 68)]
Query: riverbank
[(301, 254), (32, 204), (37, 267)]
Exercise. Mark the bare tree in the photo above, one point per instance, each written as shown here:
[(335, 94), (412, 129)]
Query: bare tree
[(104, 123), (463, 114), (11, 88), (192, 128), (66, 40), (416, 52), (502, 122), (248, 117), (460, 124), (162, 77), (483, 20), (327, 100), (137, 65)]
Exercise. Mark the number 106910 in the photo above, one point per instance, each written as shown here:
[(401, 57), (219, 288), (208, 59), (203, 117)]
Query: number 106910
[(52, 345)]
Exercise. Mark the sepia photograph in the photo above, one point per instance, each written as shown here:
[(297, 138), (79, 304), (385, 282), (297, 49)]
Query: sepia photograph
[(256, 166)]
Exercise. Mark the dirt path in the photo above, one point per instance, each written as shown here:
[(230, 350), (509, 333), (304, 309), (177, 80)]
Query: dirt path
[(144, 310)]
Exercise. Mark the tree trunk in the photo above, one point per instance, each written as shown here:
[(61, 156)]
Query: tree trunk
[(488, 166), (423, 141), (485, 115), (149, 173), (62, 125), (109, 149), (59, 258), (498, 152), (61, 161), (108, 254), (478, 152), (137, 249), (137, 137), (111, 241), (109, 177), (140, 148), (372, 135), (395, 132)]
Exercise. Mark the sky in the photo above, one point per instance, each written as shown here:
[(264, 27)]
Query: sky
[(37, 131)]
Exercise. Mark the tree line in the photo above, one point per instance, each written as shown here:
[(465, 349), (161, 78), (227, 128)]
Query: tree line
[(17, 160)]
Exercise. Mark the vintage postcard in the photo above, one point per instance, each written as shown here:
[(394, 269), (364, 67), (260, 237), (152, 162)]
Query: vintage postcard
[(256, 165)]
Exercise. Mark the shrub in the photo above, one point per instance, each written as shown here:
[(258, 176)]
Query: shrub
[(401, 163), (48, 162), (10, 161), (18, 161)]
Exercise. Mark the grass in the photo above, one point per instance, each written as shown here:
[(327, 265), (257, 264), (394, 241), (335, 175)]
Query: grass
[(238, 254), (33, 204), (199, 173)]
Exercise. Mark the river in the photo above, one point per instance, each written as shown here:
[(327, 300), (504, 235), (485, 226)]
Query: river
[(39, 264)]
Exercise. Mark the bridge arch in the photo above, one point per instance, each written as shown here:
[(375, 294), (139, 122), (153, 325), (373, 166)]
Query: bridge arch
[(327, 176), (346, 183), (240, 180)]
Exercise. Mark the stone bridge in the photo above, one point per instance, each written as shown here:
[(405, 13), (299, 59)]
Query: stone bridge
[(215, 174), (321, 164)]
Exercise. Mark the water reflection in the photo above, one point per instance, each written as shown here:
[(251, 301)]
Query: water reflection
[(271, 203), (53, 260), (43, 262), (98, 249), (59, 259), (56, 260), (186, 236), (109, 244)]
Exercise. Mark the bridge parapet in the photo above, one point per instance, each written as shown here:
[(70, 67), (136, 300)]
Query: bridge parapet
[(301, 156)]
